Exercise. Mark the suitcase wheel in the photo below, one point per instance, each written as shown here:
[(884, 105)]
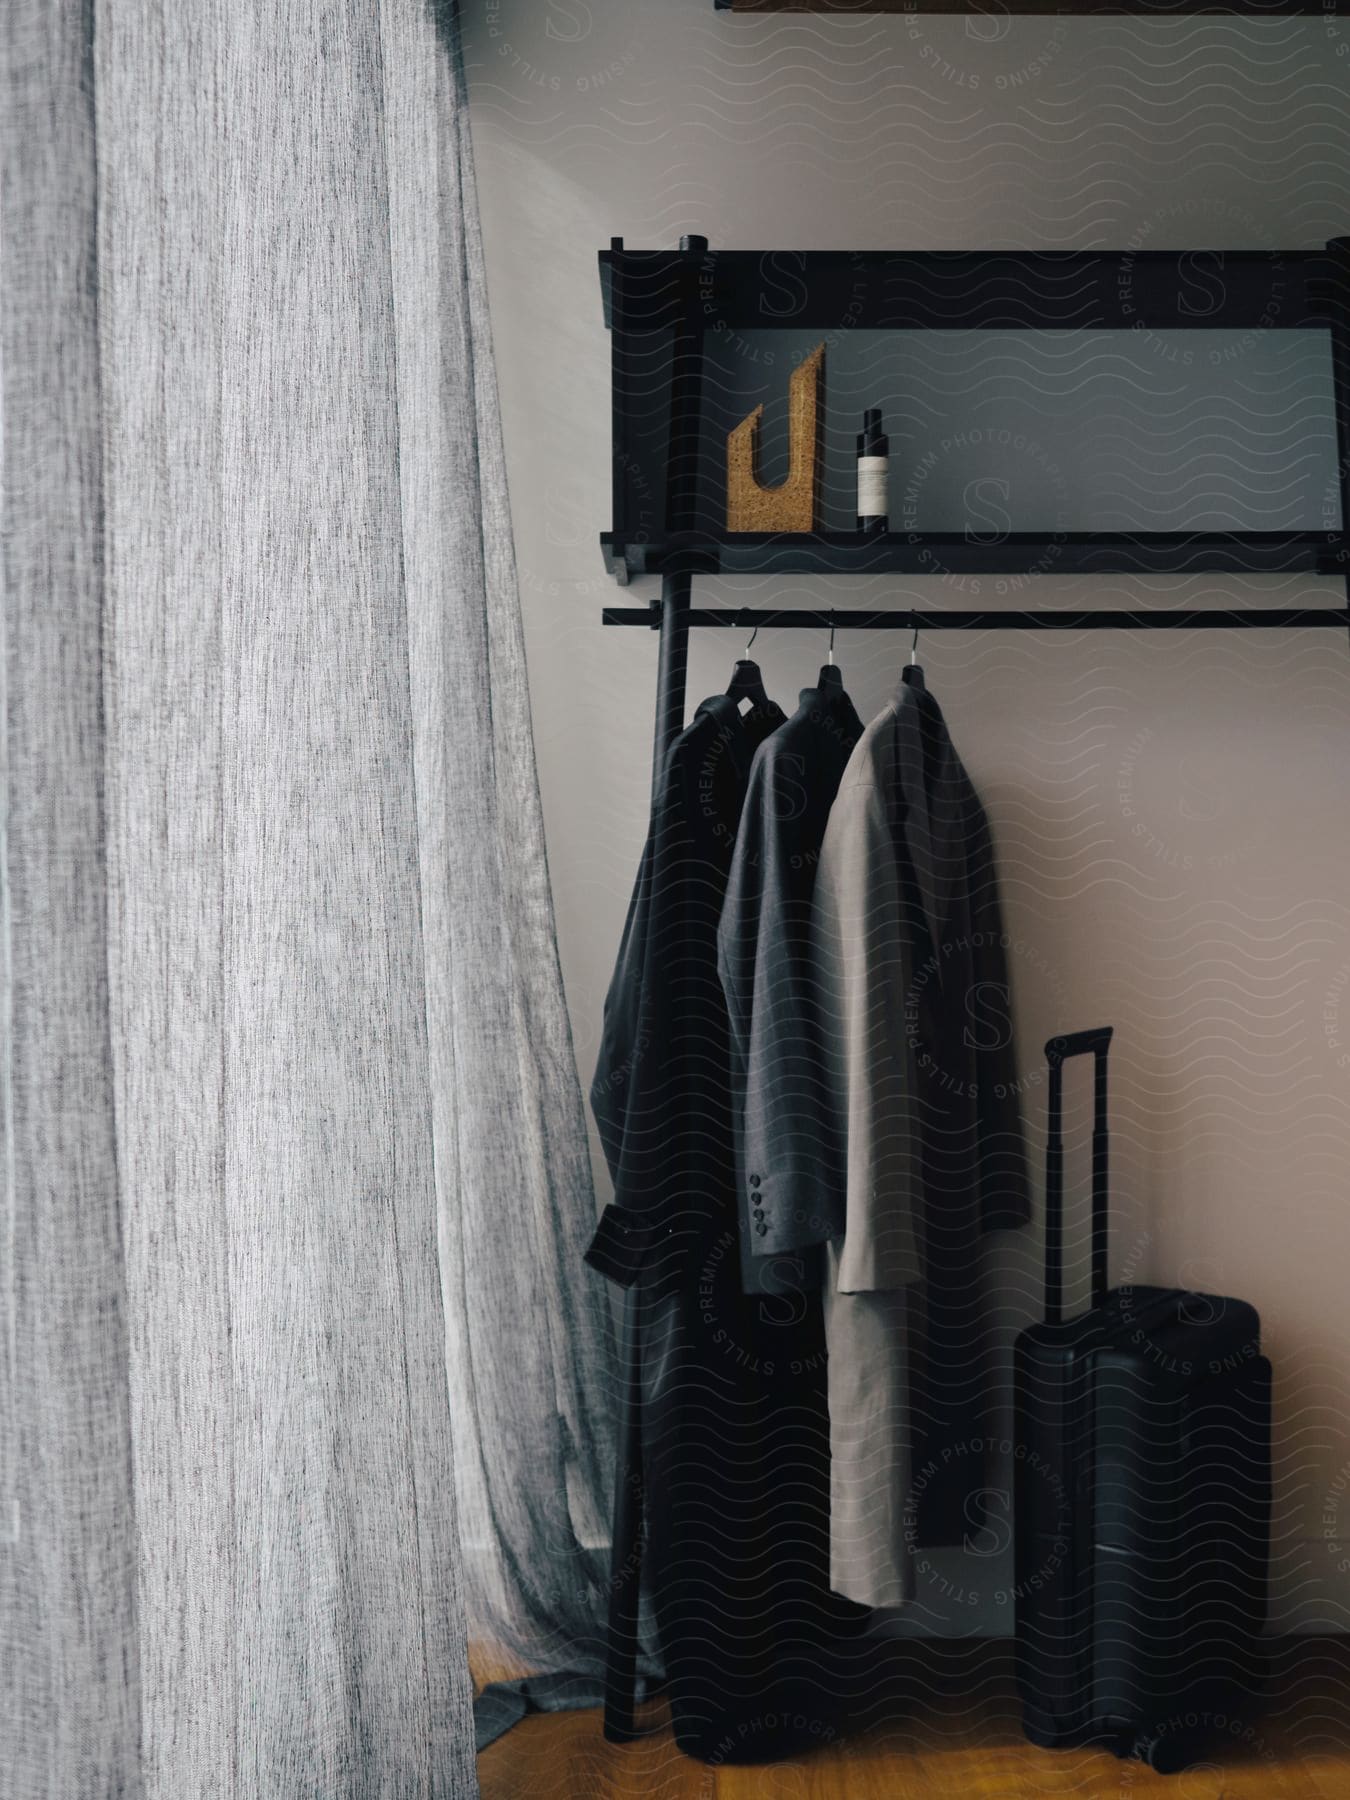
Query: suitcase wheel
[(1168, 1753)]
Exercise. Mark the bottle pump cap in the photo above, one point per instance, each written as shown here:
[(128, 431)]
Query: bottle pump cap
[(872, 440)]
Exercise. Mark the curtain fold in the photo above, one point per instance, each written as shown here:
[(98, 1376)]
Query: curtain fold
[(296, 1180), (69, 1694), (528, 1332), (298, 1565)]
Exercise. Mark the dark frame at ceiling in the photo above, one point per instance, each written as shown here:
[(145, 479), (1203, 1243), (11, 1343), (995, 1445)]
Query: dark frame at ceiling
[(1161, 9)]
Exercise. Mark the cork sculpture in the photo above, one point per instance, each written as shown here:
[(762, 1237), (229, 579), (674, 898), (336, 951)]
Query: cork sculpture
[(791, 506)]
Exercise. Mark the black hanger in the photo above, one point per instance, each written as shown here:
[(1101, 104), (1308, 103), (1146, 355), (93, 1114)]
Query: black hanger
[(929, 713), (912, 673), (746, 681), (831, 680)]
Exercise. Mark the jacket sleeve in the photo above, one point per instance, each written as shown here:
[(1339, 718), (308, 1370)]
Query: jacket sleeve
[(619, 1035), (1005, 1193), (788, 1155), (862, 954), (632, 1065)]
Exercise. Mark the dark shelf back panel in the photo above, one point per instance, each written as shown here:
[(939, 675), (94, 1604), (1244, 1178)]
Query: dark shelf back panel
[(993, 431)]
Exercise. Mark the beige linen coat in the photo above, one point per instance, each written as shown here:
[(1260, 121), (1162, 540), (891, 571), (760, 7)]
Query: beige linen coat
[(917, 1044)]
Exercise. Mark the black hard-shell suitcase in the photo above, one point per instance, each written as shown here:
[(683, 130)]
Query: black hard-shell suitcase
[(1142, 1496)]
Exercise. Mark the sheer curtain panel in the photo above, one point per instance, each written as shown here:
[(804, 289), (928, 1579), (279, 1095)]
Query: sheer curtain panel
[(293, 1136)]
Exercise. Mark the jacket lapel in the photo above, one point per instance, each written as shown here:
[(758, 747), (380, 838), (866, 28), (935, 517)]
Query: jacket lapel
[(920, 811)]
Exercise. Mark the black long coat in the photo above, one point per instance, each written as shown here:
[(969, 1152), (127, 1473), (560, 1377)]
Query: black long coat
[(734, 1432)]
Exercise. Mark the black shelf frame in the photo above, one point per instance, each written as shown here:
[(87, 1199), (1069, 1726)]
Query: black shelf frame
[(950, 553), (677, 297), (681, 297)]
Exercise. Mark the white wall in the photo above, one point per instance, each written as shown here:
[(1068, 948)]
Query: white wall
[(1170, 810)]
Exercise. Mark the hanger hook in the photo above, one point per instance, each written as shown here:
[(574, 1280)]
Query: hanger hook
[(750, 646), (830, 657), (914, 646)]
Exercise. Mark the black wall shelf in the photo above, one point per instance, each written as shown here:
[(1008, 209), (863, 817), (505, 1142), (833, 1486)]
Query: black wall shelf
[(662, 307)]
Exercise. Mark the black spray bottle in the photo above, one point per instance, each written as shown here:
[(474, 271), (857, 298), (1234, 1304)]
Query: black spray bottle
[(873, 469)]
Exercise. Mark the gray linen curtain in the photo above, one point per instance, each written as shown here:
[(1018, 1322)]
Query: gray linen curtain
[(289, 1107)]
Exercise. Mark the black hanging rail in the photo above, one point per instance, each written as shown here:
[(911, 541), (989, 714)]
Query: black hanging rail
[(1265, 618)]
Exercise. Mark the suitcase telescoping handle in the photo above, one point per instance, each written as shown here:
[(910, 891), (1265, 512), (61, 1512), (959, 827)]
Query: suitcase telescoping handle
[(1057, 1052)]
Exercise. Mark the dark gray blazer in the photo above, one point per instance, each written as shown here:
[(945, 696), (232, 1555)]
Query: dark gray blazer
[(787, 1157)]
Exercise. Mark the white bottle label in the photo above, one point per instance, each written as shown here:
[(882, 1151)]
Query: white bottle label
[(872, 486)]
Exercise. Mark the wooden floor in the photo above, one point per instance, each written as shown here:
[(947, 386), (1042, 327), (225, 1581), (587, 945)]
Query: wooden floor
[(951, 1729)]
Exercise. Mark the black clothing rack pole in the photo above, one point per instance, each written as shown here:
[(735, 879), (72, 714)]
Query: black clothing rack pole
[(629, 1490), (674, 614), (1338, 249)]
